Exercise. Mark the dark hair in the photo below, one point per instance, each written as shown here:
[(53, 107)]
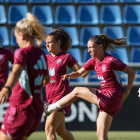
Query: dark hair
[(64, 38), (107, 42)]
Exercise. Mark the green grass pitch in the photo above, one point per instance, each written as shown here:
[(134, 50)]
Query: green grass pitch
[(91, 135)]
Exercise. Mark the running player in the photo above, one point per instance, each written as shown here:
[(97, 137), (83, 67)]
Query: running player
[(110, 97), (24, 114), (6, 55), (58, 43)]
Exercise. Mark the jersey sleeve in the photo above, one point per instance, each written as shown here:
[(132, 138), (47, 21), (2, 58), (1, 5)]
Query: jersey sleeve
[(71, 61), (20, 57), (11, 56), (89, 65), (117, 64)]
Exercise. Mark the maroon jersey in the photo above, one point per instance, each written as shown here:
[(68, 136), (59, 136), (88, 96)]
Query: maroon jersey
[(58, 66), (5, 56), (107, 71), (27, 91)]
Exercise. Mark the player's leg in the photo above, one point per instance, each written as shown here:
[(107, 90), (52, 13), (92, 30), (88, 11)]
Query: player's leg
[(52, 123), (88, 94), (4, 137), (63, 132), (104, 121)]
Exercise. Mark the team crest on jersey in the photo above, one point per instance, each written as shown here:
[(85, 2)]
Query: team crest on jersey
[(104, 68), (59, 61), (1, 57)]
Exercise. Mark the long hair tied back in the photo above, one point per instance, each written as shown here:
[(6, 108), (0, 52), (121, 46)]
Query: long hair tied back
[(107, 42), (31, 27)]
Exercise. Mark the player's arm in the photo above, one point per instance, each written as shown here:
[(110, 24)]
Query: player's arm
[(75, 75), (46, 80), (11, 81), (131, 76), (76, 67)]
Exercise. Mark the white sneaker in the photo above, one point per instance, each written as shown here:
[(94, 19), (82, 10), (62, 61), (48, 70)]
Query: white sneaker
[(45, 112)]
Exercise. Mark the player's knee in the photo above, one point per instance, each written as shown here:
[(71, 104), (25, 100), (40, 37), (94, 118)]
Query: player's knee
[(76, 92)]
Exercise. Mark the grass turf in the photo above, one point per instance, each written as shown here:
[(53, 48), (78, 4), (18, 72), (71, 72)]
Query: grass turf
[(91, 135)]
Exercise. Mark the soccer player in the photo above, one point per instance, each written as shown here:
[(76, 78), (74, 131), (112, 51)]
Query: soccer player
[(6, 55), (24, 114), (58, 43), (110, 97)]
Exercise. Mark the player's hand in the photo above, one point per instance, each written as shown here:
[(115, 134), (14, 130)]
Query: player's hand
[(124, 96), (65, 76), (4, 93)]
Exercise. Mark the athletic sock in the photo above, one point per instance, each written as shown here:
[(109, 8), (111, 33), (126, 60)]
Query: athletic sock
[(53, 107)]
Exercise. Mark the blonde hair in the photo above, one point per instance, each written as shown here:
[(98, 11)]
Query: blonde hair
[(64, 38), (107, 42), (32, 28)]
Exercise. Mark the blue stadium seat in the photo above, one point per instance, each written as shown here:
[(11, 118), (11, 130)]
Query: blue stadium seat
[(43, 14), (13, 39), (110, 14), (65, 14), (49, 30), (38, 1), (122, 54), (130, 1), (19, 12), (15, 1), (62, 1), (76, 53), (87, 15), (133, 35), (1, 1), (113, 31), (86, 33), (4, 36), (3, 19), (45, 51), (135, 58), (72, 31), (135, 55), (85, 1), (107, 1), (131, 14)]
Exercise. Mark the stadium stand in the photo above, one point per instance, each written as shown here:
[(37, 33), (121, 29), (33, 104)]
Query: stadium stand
[(107, 1), (85, 1), (81, 19), (62, 1), (86, 33), (76, 53), (130, 1), (113, 31), (43, 14), (15, 1), (65, 14), (133, 35), (38, 1), (1, 1), (4, 36), (87, 15), (3, 18), (19, 12), (72, 31), (110, 14), (131, 14)]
